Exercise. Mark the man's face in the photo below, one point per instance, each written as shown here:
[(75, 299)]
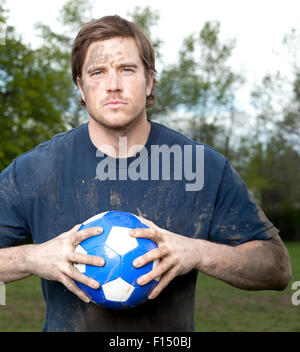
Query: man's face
[(113, 84)]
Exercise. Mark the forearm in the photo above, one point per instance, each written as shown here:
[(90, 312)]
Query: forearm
[(14, 263), (255, 265)]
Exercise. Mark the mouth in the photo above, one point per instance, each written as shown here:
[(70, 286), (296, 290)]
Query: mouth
[(114, 104)]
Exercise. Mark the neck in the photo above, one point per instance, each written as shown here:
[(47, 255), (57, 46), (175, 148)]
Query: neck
[(120, 143)]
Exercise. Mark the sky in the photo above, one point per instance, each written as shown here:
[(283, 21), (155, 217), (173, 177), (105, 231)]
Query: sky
[(257, 25)]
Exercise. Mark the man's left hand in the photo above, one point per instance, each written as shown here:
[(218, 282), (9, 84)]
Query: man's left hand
[(176, 253)]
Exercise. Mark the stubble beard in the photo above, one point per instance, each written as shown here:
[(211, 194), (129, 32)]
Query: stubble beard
[(119, 124)]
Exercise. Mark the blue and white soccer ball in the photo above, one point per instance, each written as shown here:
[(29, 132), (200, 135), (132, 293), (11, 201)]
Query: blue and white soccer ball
[(118, 277)]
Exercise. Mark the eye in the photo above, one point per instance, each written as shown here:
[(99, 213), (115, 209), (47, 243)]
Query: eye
[(97, 73), (127, 70)]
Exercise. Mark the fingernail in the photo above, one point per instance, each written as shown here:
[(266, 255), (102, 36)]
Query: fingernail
[(140, 281), (99, 230), (96, 285), (136, 263), (151, 296)]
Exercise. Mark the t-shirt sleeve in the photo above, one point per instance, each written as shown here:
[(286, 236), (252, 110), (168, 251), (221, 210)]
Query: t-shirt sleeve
[(236, 218), (13, 226)]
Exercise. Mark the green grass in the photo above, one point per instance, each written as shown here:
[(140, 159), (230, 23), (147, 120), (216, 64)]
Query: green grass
[(219, 307), (25, 307)]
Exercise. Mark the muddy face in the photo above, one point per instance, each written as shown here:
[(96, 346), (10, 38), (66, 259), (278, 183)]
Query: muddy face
[(113, 84)]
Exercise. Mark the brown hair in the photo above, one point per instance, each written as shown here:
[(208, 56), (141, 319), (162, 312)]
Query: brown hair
[(106, 28)]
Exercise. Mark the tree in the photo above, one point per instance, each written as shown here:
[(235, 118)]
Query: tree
[(2, 23), (146, 19), (271, 156), (57, 47), (277, 99), (209, 91), (37, 92), (33, 95), (290, 125), (272, 173), (201, 86)]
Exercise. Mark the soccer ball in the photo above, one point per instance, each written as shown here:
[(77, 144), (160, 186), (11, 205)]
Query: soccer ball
[(118, 277)]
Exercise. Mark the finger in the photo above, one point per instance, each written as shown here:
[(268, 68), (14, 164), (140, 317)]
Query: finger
[(163, 283), (80, 258), (70, 232), (87, 233), (159, 270), (75, 228), (146, 233), (148, 257), (71, 286), (149, 223), (76, 275)]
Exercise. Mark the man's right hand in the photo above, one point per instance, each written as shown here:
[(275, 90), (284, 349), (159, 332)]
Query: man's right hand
[(55, 259)]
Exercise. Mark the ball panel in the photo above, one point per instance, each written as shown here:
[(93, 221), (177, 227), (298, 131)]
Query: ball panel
[(80, 267), (128, 272), (141, 224), (120, 241), (111, 269), (87, 290), (94, 218), (96, 296), (141, 293), (117, 290), (94, 241), (120, 218), (146, 244)]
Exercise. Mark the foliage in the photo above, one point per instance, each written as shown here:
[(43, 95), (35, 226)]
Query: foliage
[(272, 161), (147, 19), (202, 86), (33, 95), (58, 46), (37, 93)]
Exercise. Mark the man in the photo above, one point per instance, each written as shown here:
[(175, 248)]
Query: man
[(215, 228)]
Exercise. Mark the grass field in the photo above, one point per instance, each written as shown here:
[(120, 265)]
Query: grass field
[(219, 307)]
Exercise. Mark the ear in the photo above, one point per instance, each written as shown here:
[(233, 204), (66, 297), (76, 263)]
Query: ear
[(149, 83), (80, 87)]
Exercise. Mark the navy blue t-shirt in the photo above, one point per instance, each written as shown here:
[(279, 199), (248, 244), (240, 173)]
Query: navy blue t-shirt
[(65, 181)]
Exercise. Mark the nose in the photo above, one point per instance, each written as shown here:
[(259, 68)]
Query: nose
[(113, 82)]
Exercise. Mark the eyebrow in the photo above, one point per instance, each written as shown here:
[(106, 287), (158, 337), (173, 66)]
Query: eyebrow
[(127, 64), (95, 67)]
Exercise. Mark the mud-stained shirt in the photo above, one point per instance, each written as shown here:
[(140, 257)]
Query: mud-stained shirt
[(182, 186)]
